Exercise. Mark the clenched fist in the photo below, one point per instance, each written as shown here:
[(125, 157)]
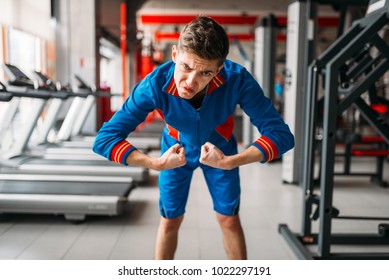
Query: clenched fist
[(213, 156), (172, 158)]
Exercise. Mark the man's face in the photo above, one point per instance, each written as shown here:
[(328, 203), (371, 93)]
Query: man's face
[(192, 73)]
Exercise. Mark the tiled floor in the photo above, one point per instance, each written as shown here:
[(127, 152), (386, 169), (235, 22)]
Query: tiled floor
[(266, 203)]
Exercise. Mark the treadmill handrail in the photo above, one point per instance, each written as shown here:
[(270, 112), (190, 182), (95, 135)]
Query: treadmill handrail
[(65, 178), (36, 93), (5, 96)]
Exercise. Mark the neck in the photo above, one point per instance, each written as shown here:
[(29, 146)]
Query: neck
[(197, 100)]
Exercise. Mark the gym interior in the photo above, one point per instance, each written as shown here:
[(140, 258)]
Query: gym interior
[(68, 66)]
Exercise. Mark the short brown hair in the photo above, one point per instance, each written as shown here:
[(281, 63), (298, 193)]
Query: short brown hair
[(206, 38)]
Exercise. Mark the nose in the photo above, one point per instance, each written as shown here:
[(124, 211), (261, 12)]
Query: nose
[(191, 79)]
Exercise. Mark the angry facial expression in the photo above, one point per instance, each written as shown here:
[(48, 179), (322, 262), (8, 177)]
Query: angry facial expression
[(192, 73)]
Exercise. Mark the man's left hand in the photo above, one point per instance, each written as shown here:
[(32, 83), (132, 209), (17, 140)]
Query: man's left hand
[(213, 156)]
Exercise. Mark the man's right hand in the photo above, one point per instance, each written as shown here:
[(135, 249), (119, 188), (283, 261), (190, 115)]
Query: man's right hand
[(172, 158)]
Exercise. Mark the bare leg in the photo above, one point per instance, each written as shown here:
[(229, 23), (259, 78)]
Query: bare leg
[(167, 237), (233, 237)]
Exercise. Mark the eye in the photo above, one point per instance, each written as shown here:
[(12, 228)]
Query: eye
[(206, 74), (185, 66)]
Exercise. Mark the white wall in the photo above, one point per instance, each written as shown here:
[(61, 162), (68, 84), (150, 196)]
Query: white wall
[(77, 22), (82, 35), (32, 16), (75, 45), (74, 34)]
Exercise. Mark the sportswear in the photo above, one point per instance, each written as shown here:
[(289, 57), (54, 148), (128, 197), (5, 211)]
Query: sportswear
[(213, 122)]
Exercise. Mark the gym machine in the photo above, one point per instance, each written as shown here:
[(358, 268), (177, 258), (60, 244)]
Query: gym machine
[(300, 51), (35, 162), (333, 70), (74, 196), (69, 134)]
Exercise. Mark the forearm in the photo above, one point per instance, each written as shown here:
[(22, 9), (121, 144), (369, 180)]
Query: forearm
[(250, 155), (172, 158), (137, 158)]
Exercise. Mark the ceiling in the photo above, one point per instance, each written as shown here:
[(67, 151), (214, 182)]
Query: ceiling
[(166, 17), (258, 7), (238, 6), (170, 15)]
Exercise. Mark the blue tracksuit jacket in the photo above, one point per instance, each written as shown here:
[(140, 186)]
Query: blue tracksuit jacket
[(233, 86)]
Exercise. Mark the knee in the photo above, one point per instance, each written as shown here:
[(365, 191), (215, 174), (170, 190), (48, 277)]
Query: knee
[(171, 225), (231, 223)]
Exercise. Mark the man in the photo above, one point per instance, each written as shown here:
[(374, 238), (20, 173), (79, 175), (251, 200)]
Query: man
[(196, 93)]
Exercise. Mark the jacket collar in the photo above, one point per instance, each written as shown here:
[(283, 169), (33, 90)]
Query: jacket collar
[(216, 82)]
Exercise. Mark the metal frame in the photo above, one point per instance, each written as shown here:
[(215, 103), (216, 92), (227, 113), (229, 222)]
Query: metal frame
[(329, 65)]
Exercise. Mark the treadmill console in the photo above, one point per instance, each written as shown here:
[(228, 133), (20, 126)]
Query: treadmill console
[(80, 82), (17, 77), (45, 82), (42, 77)]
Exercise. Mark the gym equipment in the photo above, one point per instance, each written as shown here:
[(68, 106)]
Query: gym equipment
[(74, 196), (33, 163), (364, 33), (367, 146), (5, 97), (69, 134), (300, 49)]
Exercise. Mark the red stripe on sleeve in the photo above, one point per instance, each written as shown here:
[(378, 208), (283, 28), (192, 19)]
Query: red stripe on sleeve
[(119, 151), (271, 151)]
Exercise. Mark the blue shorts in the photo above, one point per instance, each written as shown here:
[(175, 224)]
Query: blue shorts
[(223, 185)]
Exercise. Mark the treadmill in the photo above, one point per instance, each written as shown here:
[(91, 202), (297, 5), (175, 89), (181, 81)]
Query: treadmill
[(70, 131), (69, 144), (74, 196), (36, 163)]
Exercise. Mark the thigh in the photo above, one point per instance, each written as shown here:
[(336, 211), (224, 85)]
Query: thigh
[(174, 183), (174, 189), (224, 187)]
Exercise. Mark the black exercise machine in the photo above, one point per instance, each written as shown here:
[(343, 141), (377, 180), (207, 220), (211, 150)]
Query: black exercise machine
[(364, 33)]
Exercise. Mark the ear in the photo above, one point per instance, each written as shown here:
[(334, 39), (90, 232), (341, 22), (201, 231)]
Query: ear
[(174, 53)]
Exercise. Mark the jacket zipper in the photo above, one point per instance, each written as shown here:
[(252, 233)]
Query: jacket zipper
[(198, 118), (198, 128)]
